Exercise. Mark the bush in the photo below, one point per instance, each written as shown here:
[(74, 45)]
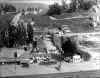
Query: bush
[(54, 10), (87, 5), (69, 47)]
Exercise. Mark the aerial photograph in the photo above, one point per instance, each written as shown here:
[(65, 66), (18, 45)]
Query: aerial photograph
[(49, 38)]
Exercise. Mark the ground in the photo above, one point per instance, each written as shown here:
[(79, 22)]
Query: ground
[(35, 69), (86, 74)]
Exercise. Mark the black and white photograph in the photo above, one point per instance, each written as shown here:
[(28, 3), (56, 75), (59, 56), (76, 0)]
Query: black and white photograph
[(49, 38)]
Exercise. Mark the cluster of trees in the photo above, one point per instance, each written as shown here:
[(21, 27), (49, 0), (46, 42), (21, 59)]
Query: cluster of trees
[(69, 46), (4, 7), (86, 5), (15, 36), (54, 9), (75, 5)]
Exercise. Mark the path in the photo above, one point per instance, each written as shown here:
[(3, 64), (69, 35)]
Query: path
[(80, 16), (49, 45), (16, 19)]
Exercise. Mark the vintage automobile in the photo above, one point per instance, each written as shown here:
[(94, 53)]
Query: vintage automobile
[(48, 62)]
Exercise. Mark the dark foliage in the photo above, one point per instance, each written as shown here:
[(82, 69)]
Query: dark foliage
[(86, 5), (54, 10), (13, 36), (72, 7), (69, 48), (79, 5), (30, 34), (8, 36), (7, 8)]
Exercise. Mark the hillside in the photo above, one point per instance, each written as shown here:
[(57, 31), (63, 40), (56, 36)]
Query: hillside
[(75, 25)]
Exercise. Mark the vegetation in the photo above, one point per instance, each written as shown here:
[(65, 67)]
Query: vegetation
[(55, 9), (4, 25), (86, 5), (11, 35), (70, 48), (7, 8), (76, 5), (16, 36), (76, 25)]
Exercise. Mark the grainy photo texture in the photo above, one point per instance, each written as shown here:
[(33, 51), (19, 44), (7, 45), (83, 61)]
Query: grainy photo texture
[(49, 38)]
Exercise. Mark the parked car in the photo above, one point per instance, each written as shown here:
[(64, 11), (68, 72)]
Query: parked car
[(48, 62)]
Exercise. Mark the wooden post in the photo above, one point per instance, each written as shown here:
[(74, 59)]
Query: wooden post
[(15, 56)]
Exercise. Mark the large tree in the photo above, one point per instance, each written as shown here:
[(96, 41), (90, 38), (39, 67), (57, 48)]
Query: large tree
[(55, 9)]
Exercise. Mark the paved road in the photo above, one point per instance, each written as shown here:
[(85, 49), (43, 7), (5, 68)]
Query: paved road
[(86, 74)]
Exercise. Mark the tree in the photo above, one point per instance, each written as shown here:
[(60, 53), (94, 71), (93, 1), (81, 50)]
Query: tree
[(21, 35), (73, 6), (30, 33), (7, 7), (86, 5), (55, 9), (69, 47), (4, 38)]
